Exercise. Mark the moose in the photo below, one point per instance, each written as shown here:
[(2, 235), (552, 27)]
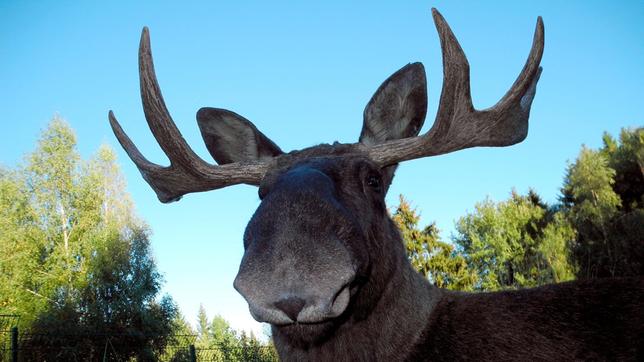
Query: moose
[(324, 263)]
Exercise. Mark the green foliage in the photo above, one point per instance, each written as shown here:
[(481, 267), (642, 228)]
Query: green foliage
[(588, 187), (515, 243), (225, 337), (626, 157), (436, 260), (203, 329), (20, 244), (603, 197), (554, 248), (75, 260)]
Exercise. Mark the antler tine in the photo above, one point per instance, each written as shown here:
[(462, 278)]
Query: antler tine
[(187, 172), (156, 113), (458, 125), (130, 148)]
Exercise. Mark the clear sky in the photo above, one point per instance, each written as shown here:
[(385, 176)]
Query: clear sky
[(303, 72)]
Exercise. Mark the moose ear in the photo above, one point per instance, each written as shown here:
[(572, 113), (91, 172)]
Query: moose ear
[(230, 137), (398, 108)]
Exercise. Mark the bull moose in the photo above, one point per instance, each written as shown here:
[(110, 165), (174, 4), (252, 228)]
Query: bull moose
[(325, 265)]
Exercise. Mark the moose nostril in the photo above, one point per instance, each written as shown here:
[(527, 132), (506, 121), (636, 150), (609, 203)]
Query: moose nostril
[(291, 306)]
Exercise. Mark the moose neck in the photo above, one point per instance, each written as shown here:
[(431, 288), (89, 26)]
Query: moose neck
[(394, 324)]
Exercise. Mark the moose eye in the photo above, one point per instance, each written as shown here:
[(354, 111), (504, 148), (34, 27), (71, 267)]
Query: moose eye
[(373, 181)]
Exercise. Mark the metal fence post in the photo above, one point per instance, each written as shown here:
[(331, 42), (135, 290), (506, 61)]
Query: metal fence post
[(193, 353), (14, 344)]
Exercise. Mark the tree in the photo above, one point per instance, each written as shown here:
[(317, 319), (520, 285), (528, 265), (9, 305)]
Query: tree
[(78, 258), (223, 337), (626, 157), (516, 243), (178, 347), (436, 260), (203, 328), (603, 197), (20, 243), (251, 349)]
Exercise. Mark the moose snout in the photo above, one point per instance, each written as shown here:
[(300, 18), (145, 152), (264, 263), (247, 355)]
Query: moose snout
[(314, 310), (308, 303)]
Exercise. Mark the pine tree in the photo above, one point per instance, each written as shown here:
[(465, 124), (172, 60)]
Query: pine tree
[(436, 260), (204, 337)]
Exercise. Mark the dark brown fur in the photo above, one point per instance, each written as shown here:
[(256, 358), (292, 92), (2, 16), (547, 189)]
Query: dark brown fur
[(588, 320)]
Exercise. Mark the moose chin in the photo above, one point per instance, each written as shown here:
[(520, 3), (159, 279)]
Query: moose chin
[(324, 263)]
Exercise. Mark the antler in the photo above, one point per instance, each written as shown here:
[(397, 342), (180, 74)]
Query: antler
[(458, 125), (187, 171)]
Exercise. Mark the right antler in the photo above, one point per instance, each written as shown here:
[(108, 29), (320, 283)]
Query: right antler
[(458, 125), (187, 171)]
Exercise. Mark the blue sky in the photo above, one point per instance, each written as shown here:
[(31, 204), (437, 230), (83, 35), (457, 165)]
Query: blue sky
[(303, 72)]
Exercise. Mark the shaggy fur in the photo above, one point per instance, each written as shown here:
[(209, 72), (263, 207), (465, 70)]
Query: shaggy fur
[(601, 320)]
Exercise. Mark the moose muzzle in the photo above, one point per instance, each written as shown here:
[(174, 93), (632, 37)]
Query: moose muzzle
[(298, 267), (287, 287)]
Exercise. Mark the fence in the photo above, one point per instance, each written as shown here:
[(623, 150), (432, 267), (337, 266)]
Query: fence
[(8, 336), (15, 347)]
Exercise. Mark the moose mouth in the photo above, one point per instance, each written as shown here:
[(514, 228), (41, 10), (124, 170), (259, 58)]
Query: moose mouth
[(312, 314), (304, 334), (307, 334)]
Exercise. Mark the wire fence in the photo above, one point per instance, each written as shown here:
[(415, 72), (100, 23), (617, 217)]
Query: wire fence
[(251, 354), (15, 347)]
